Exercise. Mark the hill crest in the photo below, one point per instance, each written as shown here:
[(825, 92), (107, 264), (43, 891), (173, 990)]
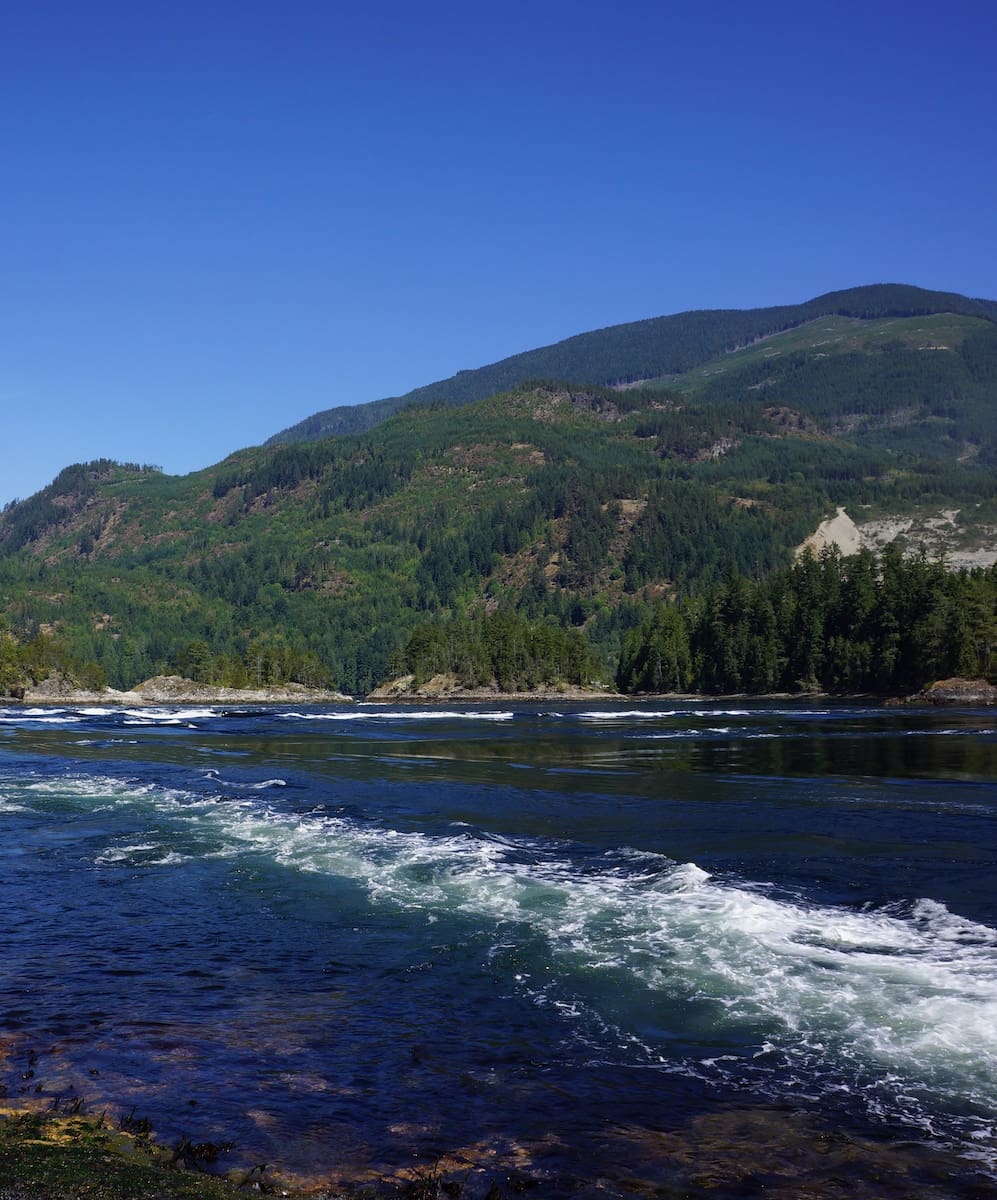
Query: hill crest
[(653, 348)]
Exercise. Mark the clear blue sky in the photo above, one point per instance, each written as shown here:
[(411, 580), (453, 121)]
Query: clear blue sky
[(219, 217)]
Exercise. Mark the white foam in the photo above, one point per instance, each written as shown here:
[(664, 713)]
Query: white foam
[(405, 714), (39, 717), (141, 854), (875, 991), (893, 1004), (169, 715), (970, 732), (260, 786), (89, 786), (648, 714), (115, 854), (899, 987)]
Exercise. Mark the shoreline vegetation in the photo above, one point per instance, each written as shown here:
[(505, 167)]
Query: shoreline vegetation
[(827, 626), (52, 1155)]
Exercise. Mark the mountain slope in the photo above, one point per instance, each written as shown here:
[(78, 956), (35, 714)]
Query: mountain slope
[(573, 507), (643, 350)]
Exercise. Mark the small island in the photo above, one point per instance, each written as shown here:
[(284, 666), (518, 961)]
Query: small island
[(175, 689), (448, 686)]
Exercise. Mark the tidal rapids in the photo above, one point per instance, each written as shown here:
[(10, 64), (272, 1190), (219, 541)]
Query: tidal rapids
[(588, 949)]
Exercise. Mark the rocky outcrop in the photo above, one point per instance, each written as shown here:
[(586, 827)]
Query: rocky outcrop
[(960, 541), (971, 692), (169, 689), (174, 689), (839, 530), (447, 686)]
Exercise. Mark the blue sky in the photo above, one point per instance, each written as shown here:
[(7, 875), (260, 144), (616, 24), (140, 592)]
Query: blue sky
[(217, 218)]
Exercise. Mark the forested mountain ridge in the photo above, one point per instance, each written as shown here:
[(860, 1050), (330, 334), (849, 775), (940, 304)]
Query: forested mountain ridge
[(550, 518), (651, 349)]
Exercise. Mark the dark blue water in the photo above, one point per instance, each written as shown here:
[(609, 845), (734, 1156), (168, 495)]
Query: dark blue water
[(601, 943)]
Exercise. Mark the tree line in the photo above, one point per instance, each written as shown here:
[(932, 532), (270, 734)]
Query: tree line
[(864, 623), (498, 649)]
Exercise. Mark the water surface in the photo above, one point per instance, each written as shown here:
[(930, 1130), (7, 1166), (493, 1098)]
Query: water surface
[(606, 946)]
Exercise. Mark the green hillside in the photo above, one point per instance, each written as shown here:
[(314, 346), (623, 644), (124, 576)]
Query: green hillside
[(522, 537), (655, 349), (828, 336)]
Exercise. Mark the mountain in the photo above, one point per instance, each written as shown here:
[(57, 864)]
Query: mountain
[(652, 349), (541, 524)]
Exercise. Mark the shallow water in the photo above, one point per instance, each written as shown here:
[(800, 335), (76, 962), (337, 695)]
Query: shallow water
[(562, 943)]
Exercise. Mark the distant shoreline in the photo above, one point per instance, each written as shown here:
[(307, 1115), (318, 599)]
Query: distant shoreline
[(174, 689), (445, 688)]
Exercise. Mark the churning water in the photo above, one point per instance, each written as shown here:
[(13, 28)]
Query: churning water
[(558, 941)]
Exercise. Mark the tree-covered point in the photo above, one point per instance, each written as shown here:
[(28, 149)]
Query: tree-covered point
[(500, 649), (26, 663), (830, 624)]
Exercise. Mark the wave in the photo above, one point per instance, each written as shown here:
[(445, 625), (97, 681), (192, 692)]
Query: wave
[(915, 990), (90, 787), (970, 732), (650, 714), (404, 714), (259, 786), (65, 716), (169, 713), (644, 715), (140, 854), (896, 1006), (38, 716)]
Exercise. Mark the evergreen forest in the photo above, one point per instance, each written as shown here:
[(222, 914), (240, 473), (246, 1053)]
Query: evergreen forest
[(641, 529)]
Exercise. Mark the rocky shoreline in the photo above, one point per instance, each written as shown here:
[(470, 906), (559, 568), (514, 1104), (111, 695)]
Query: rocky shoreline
[(739, 1151), (448, 687), (175, 689), (969, 692)]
